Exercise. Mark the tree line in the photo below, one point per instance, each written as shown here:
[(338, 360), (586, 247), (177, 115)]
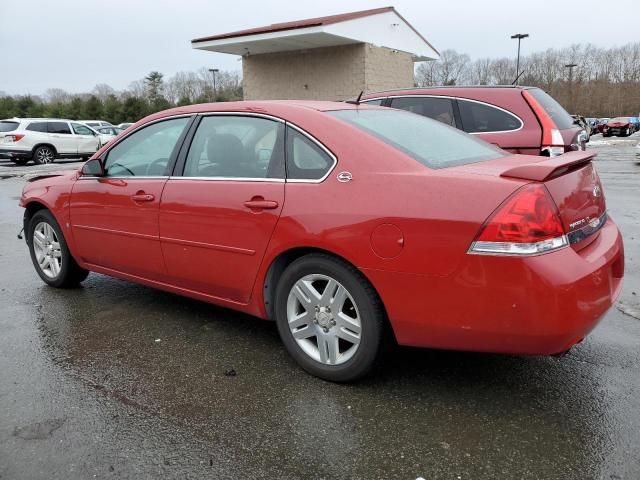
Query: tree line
[(143, 97), (604, 83)]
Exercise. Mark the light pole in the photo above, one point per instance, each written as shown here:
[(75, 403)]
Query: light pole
[(571, 66), (519, 36), (214, 71)]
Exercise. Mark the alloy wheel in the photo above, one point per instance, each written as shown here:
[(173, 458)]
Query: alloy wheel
[(44, 155), (46, 246), (323, 319)]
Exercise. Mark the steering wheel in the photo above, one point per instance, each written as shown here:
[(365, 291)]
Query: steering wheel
[(159, 162), (123, 167)]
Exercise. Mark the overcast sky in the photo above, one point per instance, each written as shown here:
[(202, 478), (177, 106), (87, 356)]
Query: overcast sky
[(75, 44)]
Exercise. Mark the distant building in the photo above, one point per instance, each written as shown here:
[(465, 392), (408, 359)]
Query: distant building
[(326, 58)]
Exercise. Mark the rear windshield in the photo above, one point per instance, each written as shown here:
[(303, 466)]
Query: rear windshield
[(558, 114), (430, 142), (7, 126)]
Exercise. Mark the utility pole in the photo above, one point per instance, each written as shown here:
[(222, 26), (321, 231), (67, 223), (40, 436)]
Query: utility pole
[(519, 36), (571, 66), (214, 71)]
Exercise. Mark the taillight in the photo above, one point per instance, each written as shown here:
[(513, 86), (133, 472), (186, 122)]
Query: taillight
[(552, 141), (527, 223), (15, 137)]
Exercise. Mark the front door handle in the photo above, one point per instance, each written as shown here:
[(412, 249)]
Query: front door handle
[(259, 203), (142, 197)]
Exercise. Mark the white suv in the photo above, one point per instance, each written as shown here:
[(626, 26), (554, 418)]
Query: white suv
[(45, 139), (96, 123)]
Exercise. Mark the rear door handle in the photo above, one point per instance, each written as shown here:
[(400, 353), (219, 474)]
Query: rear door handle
[(142, 197), (259, 203)]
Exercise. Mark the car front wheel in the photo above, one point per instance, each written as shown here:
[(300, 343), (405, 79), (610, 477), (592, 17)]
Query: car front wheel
[(50, 254), (329, 317), (44, 155)]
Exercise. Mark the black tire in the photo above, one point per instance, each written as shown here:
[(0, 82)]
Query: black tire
[(368, 305), (70, 274), (44, 154)]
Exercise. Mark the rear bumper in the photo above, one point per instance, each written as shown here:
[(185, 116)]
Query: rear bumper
[(14, 153), (538, 305)]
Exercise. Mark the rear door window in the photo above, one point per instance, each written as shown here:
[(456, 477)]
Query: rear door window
[(482, 118), (37, 127), (440, 109), (6, 126), (61, 128)]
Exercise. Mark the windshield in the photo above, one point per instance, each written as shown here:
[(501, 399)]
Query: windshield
[(619, 120), (430, 142), (558, 114)]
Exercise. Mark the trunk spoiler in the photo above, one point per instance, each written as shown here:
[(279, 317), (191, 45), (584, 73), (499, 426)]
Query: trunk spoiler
[(548, 168)]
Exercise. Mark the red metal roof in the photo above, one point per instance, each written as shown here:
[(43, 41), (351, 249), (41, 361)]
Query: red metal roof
[(309, 22)]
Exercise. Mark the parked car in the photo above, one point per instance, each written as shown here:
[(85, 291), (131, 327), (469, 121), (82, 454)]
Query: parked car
[(619, 126), (517, 119), (96, 123), (267, 208), (108, 133), (124, 126), (45, 139), (601, 123)]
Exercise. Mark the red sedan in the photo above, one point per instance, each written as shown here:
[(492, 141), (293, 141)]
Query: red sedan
[(336, 220)]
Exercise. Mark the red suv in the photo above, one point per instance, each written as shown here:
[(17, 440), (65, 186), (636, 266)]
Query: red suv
[(518, 119)]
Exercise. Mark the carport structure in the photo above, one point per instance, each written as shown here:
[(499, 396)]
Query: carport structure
[(325, 58)]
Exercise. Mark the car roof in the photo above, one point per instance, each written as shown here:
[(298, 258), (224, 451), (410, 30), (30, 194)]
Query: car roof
[(266, 107), (426, 90), (17, 119)]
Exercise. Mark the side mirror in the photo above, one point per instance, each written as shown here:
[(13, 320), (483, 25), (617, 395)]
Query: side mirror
[(93, 168)]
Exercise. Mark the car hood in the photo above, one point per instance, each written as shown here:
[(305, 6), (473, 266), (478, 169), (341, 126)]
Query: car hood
[(68, 174)]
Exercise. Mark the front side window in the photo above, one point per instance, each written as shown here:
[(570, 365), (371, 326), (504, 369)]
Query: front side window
[(37, 127), (147, 151), (81, 129), (429, 142), (228, 146), (479, 118), (61, 128), (305, 159), (440, 109)]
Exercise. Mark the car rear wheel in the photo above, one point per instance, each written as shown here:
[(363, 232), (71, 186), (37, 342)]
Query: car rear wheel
[(329, 317), (50, 254), (44, 154)]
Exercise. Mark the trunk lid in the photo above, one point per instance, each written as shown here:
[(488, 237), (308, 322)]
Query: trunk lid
[(572, 181)]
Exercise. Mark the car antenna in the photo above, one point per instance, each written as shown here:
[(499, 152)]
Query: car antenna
[(357, 100)]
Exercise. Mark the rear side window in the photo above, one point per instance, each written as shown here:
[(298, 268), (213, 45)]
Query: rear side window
[(59, 128), (429, 142), (373, 102), (558, 114), (481, 118), (81, 129), (440, 109), (37, 127), (6, 126), (306, 160)]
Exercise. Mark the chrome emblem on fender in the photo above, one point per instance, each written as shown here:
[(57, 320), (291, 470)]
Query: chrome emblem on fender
[(597, 191), (344, 177)]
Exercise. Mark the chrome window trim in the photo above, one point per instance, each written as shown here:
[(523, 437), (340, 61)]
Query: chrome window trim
[(242, 114), (322, 147), (462, 99), (229, 179), (140, 177)]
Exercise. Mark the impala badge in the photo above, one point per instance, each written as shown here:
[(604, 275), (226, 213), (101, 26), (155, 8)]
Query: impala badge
[(344, 177), (597, 191)]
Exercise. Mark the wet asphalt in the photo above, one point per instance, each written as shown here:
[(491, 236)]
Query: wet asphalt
[(116, 380)]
